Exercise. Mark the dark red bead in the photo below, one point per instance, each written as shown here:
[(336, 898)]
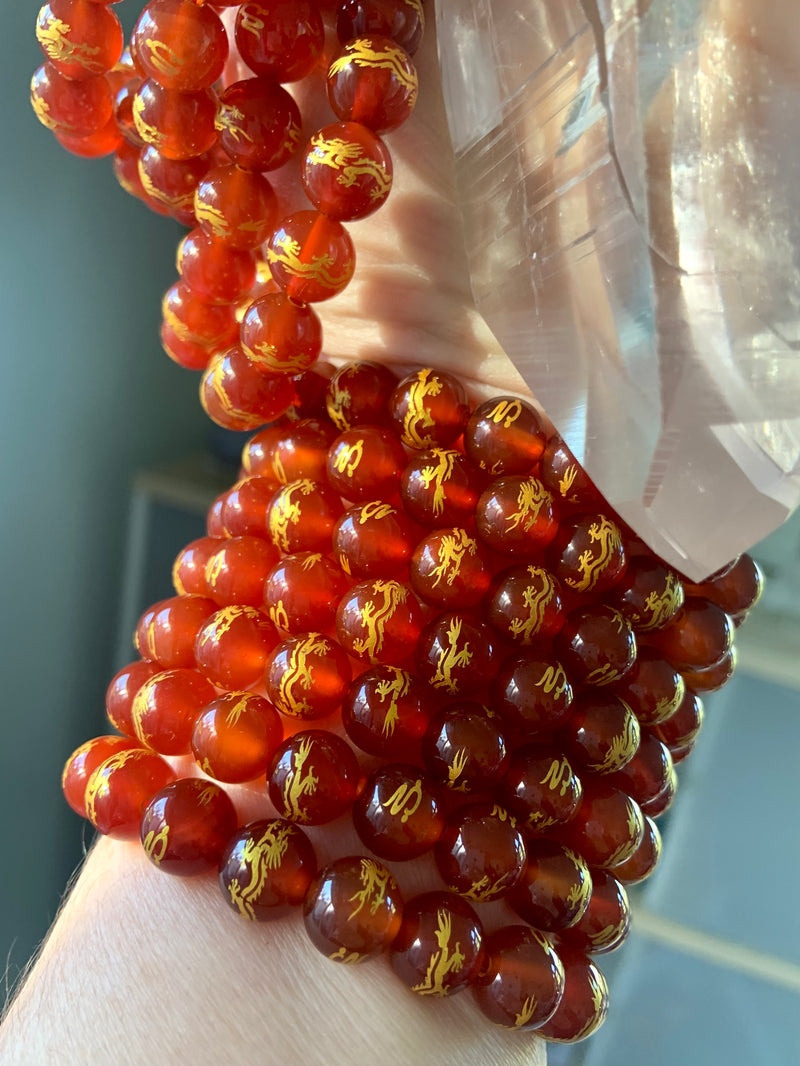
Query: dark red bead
[(186, 826), (365, 463), (121, 692), (653, 689), (525, 604), (302, 516), (505, 435), (259, 124), (571, 487), (400, 812), (121, 787), (608, 826), (430, 409), (714, 677), (386, 711), (302, 593), (588, 554), (647, 774), (583, 1005), (167, 635), (602, 734), (458, 654), (606, 921), (83, 762), (532, 694), (439, 949), (402, 20), (540, 788), (555, 891), (313, 778), (663, 801), (373, 82), (358, 394), (307, 676), (347, 171), (440, 487), (311, 256), (450, 568), (464, 748), (644, 860), (181, 44), (682, 727), (699, 637), (232, 647), (515, 516), (523, 980), (235, 735), (379, 621), (596, 645), (481, 853), (735, 590), (265, 868), (372, 540), (649, 594), (280, 39)]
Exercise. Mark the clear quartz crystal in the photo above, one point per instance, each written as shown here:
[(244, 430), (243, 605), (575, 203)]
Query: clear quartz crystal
[(629, 177)]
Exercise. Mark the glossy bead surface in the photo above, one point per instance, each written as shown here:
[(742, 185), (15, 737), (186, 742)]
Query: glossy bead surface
[(237, 571), (365, 463), (83, 762), (607, 919), (358, 394), (214, 270), (168, 634), (165, 708), (302, 593), (649, 594), (602, 734), (430, 409), (233, 645), (588, 554), (214, 526), (236, 206), (302, 516), (525, 604), (353, 908), (714, 677), (540, 788), (515, 516), (301, 450), (663, 801), (653, 689), (246, 505), (92, 145), (402, 20), (386, 711), (236, 395), (280, 39), (571, 487), (188, 354), (259, 124), (647, 774), (181, 44), (523, 980), (258, 453), (313, 777), (196, 320), (374, 82), (532, 694), (171, 183), (439, 949), (736, 590), (644, 860), (186, 826), (121, 691), (265, 868), (450, 568), (179, 125), (379, 621), (584, 1003), (457, 654), (607, 827), (70, 107), (400, 812), (505, 435), (120, 788), (347, 171), (596, 645), (79, 38), (464, 749), (280, 336), (555, 891), (699, 636), (682, 727), (235, 736), (307, 676), (372, 540), (311, 256), (440, 487), (481, 853)]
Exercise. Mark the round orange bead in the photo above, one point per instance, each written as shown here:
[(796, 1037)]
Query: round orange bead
[(515, 516), (429, 409), (532, 694), (120, 788), (464, 749), (441, 487), (373, 82), (188, 570), (399, 814), (404, 22), (301, 450), (265, 868), (79, 38), (605, 922), (307, 676), (198, 321), (84, 761), (188, 354), (439, 949), (653, 689), (647, 774), (235, 737), (649, 595), (566, 479), (237, 571), (165, 708), (311, 257), (683, 726), (699, 637), (246, 505), (644, 860), (602, 734), (302, 516), (358, 394), (523, 980), (186, 826), (92, 145), (588, 554), (583, 1005), (259, 124), (214, 270), (347, 171), (458, 654), (280, 39), (540, 788), (450, 568), (736, 589), (525, 604), (555, 891), (179, 125), (505, 435), (281, 336), (167, 635), (302, 593), (235, 394), (313, 778), (121, 691), (170, 183), (236, 206), (365, 462), (232, 647), (386, 711), (597, 646), (607, 827), (379, 621), (372, 540), (181, 44), (77, 108)]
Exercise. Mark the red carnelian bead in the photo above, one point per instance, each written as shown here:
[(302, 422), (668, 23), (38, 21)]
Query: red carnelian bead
[(608, 826), (523, 980), (259, 124), (302, 516), (246, 505), (554, 893), (258, 453), (364, 463), (281, 39), (235, 737), (358, 394), (232, 647), (126, 171), (198, 321), (307, 676), (167, 635), (644, 860), (596, 645), (602, 734), (584, 1003), (310, 387), (402, 20), (379, 621), (464, 749), (235, 394), (588, 554), (439, 949), (92, 145), (566, 479), (280, 336), (267, 867), (373, 82), (347, 171), (186, 826), (373, 540), (179, 125), (214, 526), (386, 711), (714, 677), (302, 593), (120, 788), (353, 908), (311, 256), (123, 111), (540, 788), (166, 706), (457, 654), (237, 206), (430, 409), (649, 594), (481, 853), (170, 183), (238, 569), (188, 570), (313, 777), (400, 812), (301, 450), (699, 637), (505, 436), (121, 691), (440, 487), (532, 694), (77, 108), (735, 590), (647, 774), (214, 270), (605, 922), (82, 764), (80, 39), (663, 801), (682, 727), (181, 44), (653, 689), (450, 568), (525, 604), (515, 516)]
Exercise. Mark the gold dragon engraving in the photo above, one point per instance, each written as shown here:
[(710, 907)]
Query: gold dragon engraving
[(405, 798), (362, 53), (375, 617), (621, 749), (417, 416), (553, 681), (262, 856), (453, 546), (286, 251), (661, 608), (558, 776), (285, 512), (53, 36), (451, 658), (531, 498), (394, 689), (606, 540), (348, 158), (155, 843), (375, 881), (448, 959), (300, 781), (298, 678), (536, 600)]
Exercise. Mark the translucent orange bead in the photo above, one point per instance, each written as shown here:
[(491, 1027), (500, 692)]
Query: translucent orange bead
[(515, 516), (232, 647), (555, 891), (181, 44), (301, 450), (121, 787), (606, 921), (178, 124), (126, 171), (532, 694), (237, 395), (358, 394), (566, 479), (186, 826), (644, 860), (584, 1003), (281, 336), (649, 595), (588, 555), (84, 761), (246, 505), (602, 734), (430, 409), (374, 540), (647, 774), (523, 980), (280, 39), (684, 725), (257, 454), (313, 778), (608, 826), (188, 354), (309, 392), (302, 593), (214, 270), (237, 206), (525, 604), (481, 853), (238, 569), (235, 737), (400, 812), (170, 183), (464, 749), (698, 637), (167, 635), (265, 868), (188, 570), (92, 145), (379, 621), (505, 435), (365, 463), (123, 111), (735, 590), (302, 516), (121, 691), (70, 107), (653, 689), (307, 676), (165, 708), (441, 487), (386, 711), (194, 319), (347, 171), (439, 949), (450, 568), (404, 22), (214, 526), (596, 645), (458, 654), (353, 908), (81, 39), (259, 124), (373, 82), (541, 788), (311, 256)]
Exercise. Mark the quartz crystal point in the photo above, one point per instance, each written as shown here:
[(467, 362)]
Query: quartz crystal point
[(629, 177)]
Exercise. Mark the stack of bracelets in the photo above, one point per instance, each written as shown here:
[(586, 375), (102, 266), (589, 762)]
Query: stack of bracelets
[(411, 613)]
